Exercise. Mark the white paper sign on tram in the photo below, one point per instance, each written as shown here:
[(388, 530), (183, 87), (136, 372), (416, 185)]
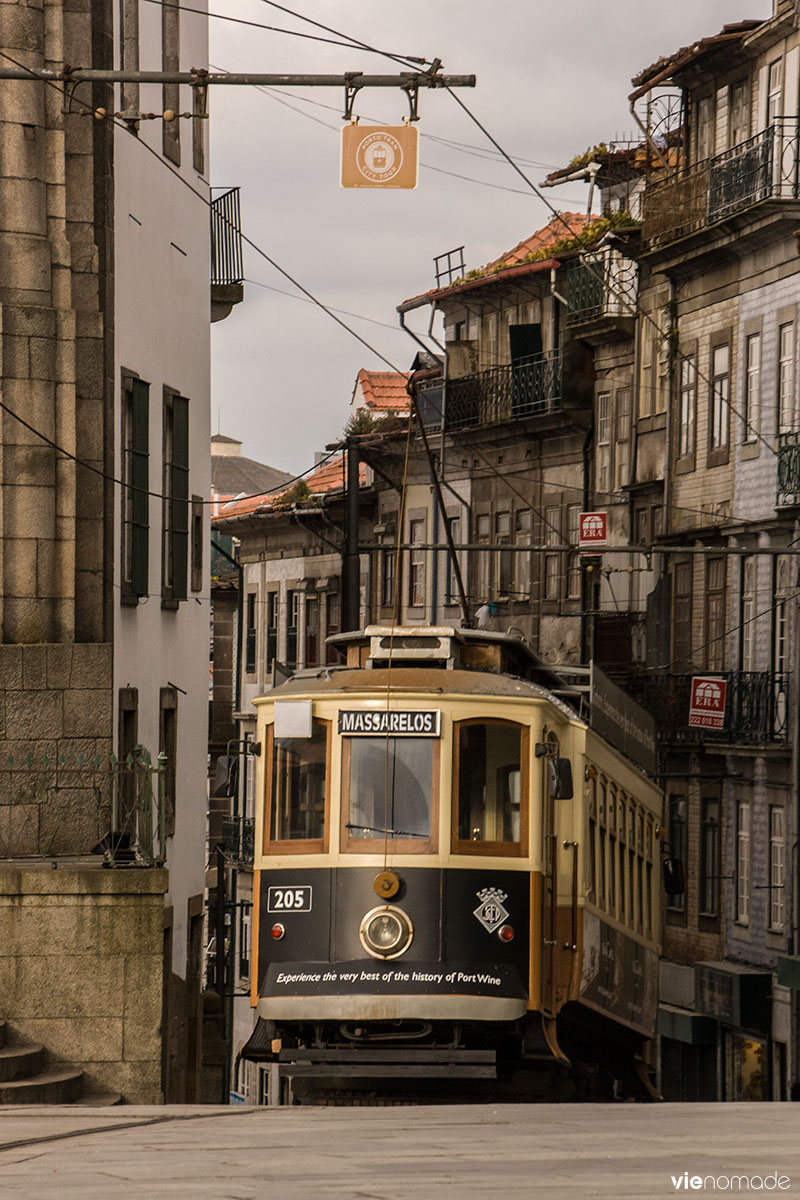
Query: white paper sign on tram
[(707, 702), (592, 530), (380, 156)]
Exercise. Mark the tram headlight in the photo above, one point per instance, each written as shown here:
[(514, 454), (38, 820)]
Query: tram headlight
[(386, 932)]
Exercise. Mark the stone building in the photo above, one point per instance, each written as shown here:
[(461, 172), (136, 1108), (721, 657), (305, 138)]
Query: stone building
[(104, 308)]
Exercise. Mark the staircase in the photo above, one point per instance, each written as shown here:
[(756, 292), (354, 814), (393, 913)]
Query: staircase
[(26, 1078)]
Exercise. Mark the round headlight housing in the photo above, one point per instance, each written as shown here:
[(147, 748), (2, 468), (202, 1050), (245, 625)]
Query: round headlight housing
[(386, 932)]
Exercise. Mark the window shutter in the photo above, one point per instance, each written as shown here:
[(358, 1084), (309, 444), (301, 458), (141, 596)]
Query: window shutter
[(179, 490), (140, 481)]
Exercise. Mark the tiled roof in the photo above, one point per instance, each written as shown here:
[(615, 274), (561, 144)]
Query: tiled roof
[(383, 391), (668, 63), (330, 477), (231, 475), (563, 226)]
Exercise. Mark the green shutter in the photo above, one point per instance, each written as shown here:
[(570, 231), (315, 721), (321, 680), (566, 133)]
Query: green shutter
[(179, 490), (140, 481)]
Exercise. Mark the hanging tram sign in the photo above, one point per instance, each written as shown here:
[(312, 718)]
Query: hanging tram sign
[(380, 156), (592, 530), (707, 702)]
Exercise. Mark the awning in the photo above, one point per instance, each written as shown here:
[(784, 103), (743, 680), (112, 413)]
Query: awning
[(682, 1025)]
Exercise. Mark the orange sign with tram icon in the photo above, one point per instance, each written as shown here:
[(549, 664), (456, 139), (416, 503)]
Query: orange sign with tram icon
[(380, 156)]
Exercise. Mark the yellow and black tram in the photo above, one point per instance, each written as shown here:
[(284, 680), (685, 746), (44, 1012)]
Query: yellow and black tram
[(456, 880)]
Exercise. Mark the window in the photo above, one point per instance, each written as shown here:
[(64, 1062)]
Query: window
[(311, 656), (522, 562), (168, 746), (663, 360), (739, 113), (705, 129), (450, 584), (715, 614), (552, 562), (688, 406), (416, 569), (198, 541), (677, 845), (777, 870), (272, 629), (297, 789), (574, 561), (332, 625), (175, 504), (292, 627), (743, 863), (780, 650), (720, 397), (127, 745), (135, 498), (504, 559), (751, 407), (682, 615), (388, 569), (749, 611), (482, 529), (602, 817), (709, 859), (787, 418), (603, 459), (490, 784), (490, 341), (591, 856), (622, 454), (774, 90), (251, 631), (170, 92), (389, 790)]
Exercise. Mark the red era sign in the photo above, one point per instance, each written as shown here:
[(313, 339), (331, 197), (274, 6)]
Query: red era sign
[(592, 529), (707, 702)]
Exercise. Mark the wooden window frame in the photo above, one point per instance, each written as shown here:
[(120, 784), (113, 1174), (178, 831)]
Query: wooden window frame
[(295, 845), (135, 501), (493, 849), (175, 505), (380, 845)]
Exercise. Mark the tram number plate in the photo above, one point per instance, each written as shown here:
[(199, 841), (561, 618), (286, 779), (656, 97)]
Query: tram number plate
[(288, 899)]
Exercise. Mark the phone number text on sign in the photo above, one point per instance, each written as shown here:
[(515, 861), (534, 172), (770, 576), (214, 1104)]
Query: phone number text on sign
[(289, 899)]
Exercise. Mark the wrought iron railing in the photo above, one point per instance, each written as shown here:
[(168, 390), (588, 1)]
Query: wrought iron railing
[(756, 710), (238, 838), (525, 388), (788, 470), (601, 285), (227, 263), (765, 167)]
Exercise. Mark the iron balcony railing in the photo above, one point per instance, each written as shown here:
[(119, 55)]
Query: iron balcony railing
[(227, 264), (788, 470), (756, 709), (527, 387), (765, 167), (238, 838), (602, 285)]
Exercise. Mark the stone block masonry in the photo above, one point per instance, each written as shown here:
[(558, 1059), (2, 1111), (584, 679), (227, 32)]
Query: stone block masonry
[(81, 971)]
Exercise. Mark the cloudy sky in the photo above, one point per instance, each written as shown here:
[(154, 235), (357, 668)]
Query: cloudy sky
[(552, 79)]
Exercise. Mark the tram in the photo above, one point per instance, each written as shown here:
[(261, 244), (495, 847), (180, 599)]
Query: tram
[(456, 880)]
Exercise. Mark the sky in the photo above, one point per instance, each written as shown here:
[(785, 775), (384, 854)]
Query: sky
[(552, 80)]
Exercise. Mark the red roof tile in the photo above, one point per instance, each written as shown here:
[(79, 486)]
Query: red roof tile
[(383, 391), (330, 477)]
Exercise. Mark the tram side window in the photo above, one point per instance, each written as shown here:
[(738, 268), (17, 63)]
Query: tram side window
[(298, 787), (390, 790), (491, 783)]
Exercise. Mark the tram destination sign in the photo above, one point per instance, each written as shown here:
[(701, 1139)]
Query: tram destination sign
[(395, 722)]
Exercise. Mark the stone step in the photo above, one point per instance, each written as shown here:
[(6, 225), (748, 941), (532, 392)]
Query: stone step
[(20, 1062), (97, 1100), (51, 1087)]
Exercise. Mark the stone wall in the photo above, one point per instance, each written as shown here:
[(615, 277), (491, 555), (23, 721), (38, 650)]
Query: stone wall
[(56, 716), (81, 971)]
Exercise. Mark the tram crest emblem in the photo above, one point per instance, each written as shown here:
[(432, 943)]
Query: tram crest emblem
[(490, 912)]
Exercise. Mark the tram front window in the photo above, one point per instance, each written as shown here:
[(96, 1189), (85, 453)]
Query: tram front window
[(298, 787), (390, 788), (491, 785)]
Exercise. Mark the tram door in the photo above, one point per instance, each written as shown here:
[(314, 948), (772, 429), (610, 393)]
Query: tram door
[(549, 880)]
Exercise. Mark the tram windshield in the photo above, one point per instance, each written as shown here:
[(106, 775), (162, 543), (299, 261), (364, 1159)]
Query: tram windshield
[(390, 787), (490, 784), (298, 786)]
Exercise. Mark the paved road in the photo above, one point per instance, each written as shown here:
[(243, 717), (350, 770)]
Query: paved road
[(553, 1151)]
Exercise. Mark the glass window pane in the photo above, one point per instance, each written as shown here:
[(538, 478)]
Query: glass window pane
[(391, 785), (489, 783), (298, 786)]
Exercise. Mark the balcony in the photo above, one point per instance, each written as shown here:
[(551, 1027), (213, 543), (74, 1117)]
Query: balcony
[(765, 167), (238, 838), (227, 263), (601, 294), (528, 387), (756, 713), (788, 470)]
